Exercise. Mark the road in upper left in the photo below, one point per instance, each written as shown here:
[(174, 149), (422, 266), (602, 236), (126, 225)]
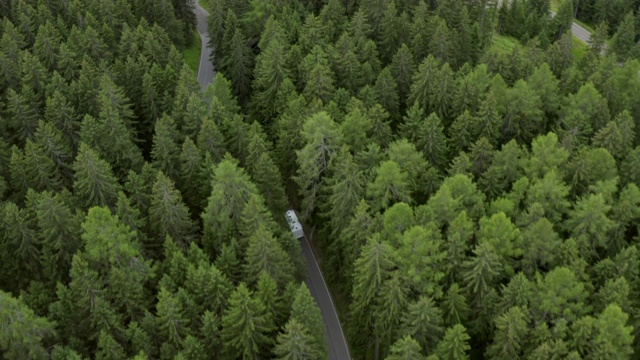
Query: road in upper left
[(205, 69)]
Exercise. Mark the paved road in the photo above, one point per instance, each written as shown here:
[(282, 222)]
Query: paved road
[(205, 70), (336, 342), (578, 31)]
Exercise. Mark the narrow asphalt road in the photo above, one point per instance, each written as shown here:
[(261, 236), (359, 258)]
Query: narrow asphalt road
[(337, 346), (578, 31), (205, 69), (336, 342)]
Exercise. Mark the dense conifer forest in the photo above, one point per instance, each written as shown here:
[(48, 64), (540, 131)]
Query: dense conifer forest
[(470, 172)]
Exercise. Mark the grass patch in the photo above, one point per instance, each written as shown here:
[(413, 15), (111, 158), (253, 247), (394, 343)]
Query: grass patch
[(584, 25), (578, 48), (192, 52), (205, 4), (503, 43), (554, 5)]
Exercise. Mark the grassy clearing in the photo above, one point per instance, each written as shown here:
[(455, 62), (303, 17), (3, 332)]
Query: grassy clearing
[(504, 43), (205, 5), (578, 48), (554, 5), (192, 52)]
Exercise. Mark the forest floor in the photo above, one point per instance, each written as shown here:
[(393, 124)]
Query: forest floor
[(192, 52)]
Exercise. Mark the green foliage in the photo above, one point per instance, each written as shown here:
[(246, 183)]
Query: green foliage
[(305, 312), (448, 178), (94, 183), (245, 325), (24, 331)]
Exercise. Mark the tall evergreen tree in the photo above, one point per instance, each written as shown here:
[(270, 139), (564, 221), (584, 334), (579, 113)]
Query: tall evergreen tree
[(305, 311), (24, 332), (245, 325), (295, 343), (94, 183), (454, 345), (168, 214)]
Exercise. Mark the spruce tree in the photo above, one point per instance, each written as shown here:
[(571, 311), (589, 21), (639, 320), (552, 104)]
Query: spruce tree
[(25, 333), (454, 345), (245, 325), (168, 214), (295, 343), (165, 149), (405, 348), (94, 183), (305, 311)]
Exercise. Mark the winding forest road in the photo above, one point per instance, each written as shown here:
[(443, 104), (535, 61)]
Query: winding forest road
[(205, 69), (337, 346), (578, 31)]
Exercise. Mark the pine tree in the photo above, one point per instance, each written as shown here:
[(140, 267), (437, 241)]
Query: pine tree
[(305, 311), (389, 187), (355, 129), (405, 348), (319, 83), (168, 214), (432, 141), (270, 72), (623, 41), (322, 138), (455, 306), (268, 180), (193, 176), (24, 332), (245, 325), (238, 62), (422, 321), (613, 338), (231, 189), (58, 149), (20, 251), (60, 113), (371, 269), (512, 332), (454, 345), (461, 132), (402, 68), (390, 305), (482, 270), (59, 234), (38, 171), (94, 183), (170, 319), (265, 254), (346, 191), (422, 261), (210, 140), (386, 90), (165, 150), (22, 117), (295, 343), (208, 287)]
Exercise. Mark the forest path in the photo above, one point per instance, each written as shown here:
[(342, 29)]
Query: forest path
[(205, 69), (337, 346)]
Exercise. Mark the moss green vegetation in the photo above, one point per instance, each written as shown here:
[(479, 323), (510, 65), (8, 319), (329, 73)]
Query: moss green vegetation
[(504, 43), (192, 52)]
